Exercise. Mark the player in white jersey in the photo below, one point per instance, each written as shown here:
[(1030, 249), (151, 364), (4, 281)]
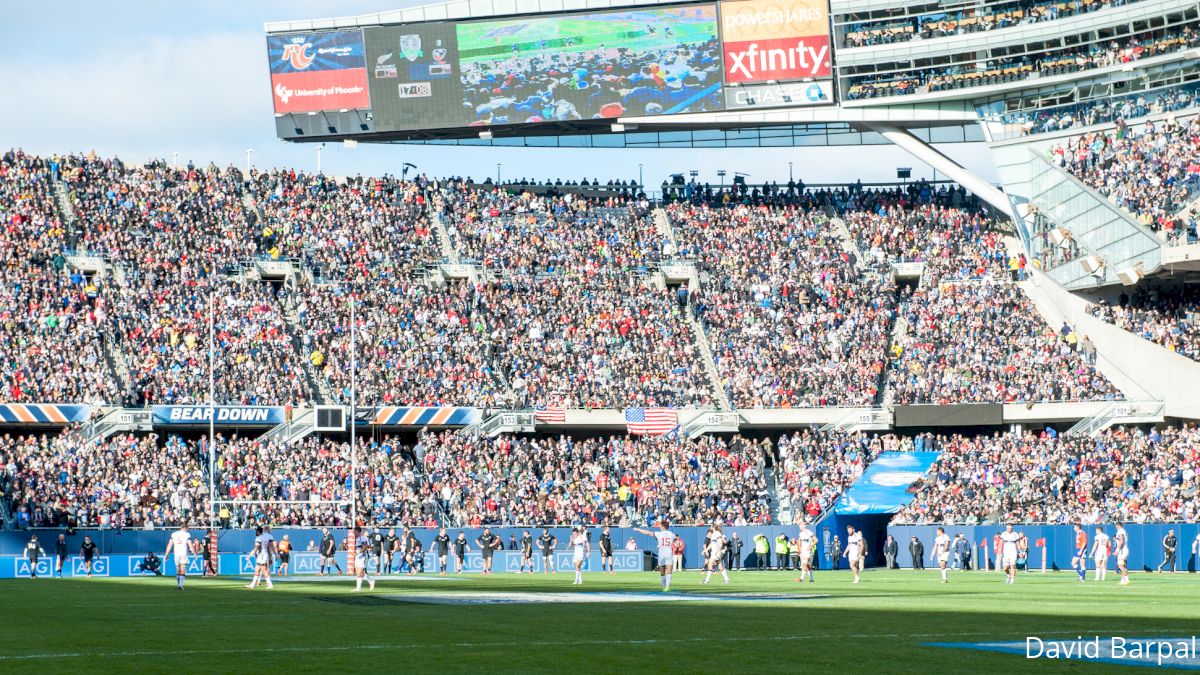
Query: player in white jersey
[(665, 541), (716, 553), (856, 551), (580, 549), (1100, 547), (1010, 550), (941, 551), (264, 553), (808, 549), (361, 553), (1121, 547), (179, 545)]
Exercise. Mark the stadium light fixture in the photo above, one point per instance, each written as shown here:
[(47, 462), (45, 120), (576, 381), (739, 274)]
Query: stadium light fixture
[(344, 110), (485, 135), (312, 114), (350, 143), (618, 128)]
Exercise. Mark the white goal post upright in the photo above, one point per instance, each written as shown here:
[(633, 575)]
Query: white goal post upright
[(212, 401), (353, 410)]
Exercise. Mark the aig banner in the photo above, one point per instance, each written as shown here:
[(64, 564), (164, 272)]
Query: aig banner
[(781, 40)]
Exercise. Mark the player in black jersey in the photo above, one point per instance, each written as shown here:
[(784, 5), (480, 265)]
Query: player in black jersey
[(391, 544), (606, 551), (88, 551), (328, 552), (377, 549), (442, 541), (488, 544), (415, 556), (33, 552), (547, 542), (526, 546), (60, 552), (460, 550)]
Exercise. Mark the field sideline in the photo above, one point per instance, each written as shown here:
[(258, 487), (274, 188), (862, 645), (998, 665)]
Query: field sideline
[(216, 624)]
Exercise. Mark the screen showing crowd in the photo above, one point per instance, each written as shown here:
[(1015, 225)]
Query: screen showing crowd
[(591, 66)]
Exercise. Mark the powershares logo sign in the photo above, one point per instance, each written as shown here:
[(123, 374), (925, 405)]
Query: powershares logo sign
[(775, 40), (311, 72)]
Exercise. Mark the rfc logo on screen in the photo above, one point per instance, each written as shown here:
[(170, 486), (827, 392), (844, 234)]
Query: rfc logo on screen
[(415, 90), (384, 68)]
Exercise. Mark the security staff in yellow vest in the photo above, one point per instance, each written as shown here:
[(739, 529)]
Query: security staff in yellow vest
[(762, 551), (781, 552)]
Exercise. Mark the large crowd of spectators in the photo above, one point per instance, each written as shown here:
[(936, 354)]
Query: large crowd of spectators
[(1121, 475), (983, 342), (446, 478), (790, 320), (125, 481), (1151, 170), (1167, 316), (993, 16), (1102, 110), (51, 318), (1017, 68)]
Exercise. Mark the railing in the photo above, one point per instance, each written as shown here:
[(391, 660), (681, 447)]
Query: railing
[(1100, 228), (1118, 412)]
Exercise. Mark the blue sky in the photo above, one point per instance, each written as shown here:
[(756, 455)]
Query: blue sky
[(146, 79)]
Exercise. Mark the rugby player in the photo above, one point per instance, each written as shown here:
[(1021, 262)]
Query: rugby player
[(808, 550), (665, 539), (716, 553), (856, 551), (1121, 545), (88, 551), (60, 552), (1100, 553), (526, 546), (1009, 549), (362, 548), (328, 553), (460, 550), (263, 552), (179, 544), (1079, 560), (442, 541), (941, 551), (547, 542), (606, 551), (581, 548)]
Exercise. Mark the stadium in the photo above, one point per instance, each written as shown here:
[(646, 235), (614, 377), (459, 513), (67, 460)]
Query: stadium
[(390, 419)]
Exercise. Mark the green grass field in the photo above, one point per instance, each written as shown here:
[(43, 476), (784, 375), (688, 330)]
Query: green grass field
[(476, 41), (885, 622)]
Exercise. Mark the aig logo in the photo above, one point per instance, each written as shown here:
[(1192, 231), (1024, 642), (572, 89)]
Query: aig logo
[(24, 569), (306, 563), (99, 567)]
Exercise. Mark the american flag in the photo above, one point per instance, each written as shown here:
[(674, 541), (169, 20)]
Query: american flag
[(551, 415), (650, 421)]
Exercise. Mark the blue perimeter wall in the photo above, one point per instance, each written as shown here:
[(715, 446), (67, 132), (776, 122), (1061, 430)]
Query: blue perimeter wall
[(1145, 540), (134, 544), (1145, 543)]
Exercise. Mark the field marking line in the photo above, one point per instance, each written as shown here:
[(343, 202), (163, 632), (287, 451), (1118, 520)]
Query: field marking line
[(479, 645)]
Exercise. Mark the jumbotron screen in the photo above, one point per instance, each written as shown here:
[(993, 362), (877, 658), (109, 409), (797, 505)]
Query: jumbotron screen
[(599, 65)]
